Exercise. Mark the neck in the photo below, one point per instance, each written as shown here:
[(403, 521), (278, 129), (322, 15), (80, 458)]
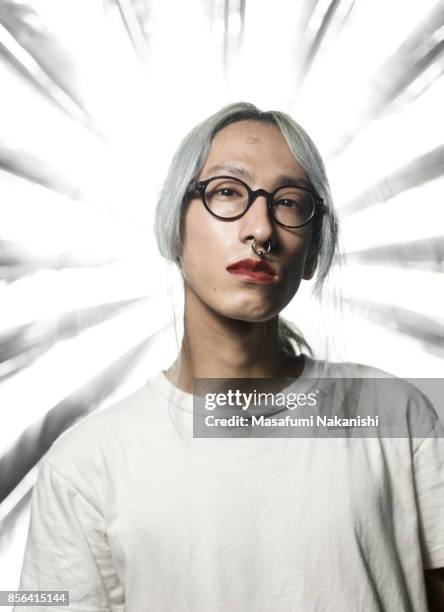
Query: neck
[(215, 346)]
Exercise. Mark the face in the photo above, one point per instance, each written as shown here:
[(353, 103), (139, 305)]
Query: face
[(258, 154)]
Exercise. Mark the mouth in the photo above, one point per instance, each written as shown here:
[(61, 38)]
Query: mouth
[(252, 270)]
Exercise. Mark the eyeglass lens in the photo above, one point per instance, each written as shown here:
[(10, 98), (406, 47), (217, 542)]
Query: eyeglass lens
[(227, 198)]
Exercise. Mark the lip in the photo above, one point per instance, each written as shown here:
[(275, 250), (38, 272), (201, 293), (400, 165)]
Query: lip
[(253, 270)]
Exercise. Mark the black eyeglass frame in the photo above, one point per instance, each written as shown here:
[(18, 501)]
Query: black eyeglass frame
[(201, 187)]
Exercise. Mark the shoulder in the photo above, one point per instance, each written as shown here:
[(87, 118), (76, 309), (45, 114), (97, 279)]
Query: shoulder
[(347, 369), (80, 452), (404, 403)]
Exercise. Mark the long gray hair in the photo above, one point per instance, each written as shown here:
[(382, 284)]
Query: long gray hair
[(188, 161)]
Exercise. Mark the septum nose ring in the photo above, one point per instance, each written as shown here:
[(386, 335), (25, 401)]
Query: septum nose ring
[(261, 251)]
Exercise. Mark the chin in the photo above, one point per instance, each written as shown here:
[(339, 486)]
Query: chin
[(252, 309), (258, 314)]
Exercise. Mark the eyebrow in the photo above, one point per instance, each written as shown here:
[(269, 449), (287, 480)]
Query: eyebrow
[(296, 181), (281, 180), (229, 168)]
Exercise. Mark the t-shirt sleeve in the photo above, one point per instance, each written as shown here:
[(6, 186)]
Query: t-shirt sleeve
[(67, 548), (429, 482)]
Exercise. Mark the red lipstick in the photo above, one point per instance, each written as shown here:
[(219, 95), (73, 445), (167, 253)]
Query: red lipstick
[(253, 270)]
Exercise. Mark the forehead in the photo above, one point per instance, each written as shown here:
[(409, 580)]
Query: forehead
[(258, 147)]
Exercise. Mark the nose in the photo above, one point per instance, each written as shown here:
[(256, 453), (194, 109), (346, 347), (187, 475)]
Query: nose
[(257, 222)]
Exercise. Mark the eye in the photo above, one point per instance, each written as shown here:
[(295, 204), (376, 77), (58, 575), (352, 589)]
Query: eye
[(288, 203), (225, 191)]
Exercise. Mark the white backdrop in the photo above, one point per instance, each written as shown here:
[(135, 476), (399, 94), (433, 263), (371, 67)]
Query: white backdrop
[(95, 96)]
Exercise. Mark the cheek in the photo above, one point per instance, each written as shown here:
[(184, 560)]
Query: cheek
[(206, 246), (295, 248)]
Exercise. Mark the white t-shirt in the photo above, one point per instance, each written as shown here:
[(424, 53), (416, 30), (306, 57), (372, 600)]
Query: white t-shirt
[(130, 515)]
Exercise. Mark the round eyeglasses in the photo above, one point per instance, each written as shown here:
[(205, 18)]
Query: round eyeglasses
[(227, 197)]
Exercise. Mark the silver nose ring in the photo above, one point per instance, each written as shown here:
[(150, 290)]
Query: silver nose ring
[(261, 251)]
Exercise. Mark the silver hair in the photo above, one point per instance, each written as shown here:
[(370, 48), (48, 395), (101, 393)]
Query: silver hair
[(190, 158)]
